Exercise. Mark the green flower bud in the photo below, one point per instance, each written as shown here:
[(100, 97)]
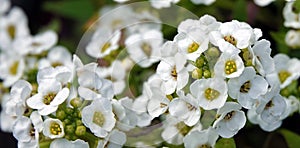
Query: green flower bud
[(69, 110), (78, 122), (60, 114), (76, 102), (200, 62), (213, 52), (197, 73), (206, 74), (70, 129), (67, 121), (80, 130)]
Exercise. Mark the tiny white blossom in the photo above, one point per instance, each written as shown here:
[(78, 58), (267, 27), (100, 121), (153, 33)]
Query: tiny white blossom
[(173, 72), (207, 23), (211, 93), (162, 3), (229, 66), (203, 138), (292, 38), (158, 103), (205, 2), (144, 47), (230, 120), (247, 87), (287, 69), (103, 42), (53, 128), (185, 108), (115, 139), (174, 130), (291, 19), (98, 117), (50, 95), (13, 26), (57, 56), (63, 143), (263, 3)]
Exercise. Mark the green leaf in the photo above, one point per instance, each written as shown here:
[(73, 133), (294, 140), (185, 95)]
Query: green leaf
[(292, 139), (279, 37), (296, 6), (80, 10), (225, 143)]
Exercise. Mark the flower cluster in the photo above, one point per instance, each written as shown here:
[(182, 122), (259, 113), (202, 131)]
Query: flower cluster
[(203, 85), (158, 4)]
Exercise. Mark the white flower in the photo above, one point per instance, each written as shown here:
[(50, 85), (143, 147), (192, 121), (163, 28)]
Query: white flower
[(115, 139), (287, 69), (13, 26), (236, 33), (205, 2), (247, 87), (36, 44), (185, 108), (61, 74), (263, 3), (6, 120), (116, 72), (192, 43), (263, 61), (173, 72), (5, 4), (211, 93), (98, 117), (91, 86), (229, 66), (19, 93), (103, 42), (57, 56), (158, 103), (292, 106), (162, 3), (204, 138), (53, 128), (174, 130), (63, 143), (144, 47), (26, 134), (12, 67), (292, 38), (230, 120), (255, 118), (207, 23), (169, 49), (50, 95), (291, 19)]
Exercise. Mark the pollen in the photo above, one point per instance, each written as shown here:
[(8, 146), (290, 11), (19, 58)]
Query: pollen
[(211, 94), (174, 73), (13, 70), (193, 47), (245, 87), (55, 128), (204, 146), (49, 98), (105, 47), (230, 39), (11, 29), (283, 75), (147, 49), (229, 115), (230, 67), (98, 118)]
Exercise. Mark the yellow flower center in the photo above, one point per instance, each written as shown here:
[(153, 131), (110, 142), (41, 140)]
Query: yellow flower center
[(55, 64), (230, 67), (230, 39), (283, 75), (11, 29), (55, 128), (174, 73), (13, 70), (105, 47), (147, 49), (49, 98), (211, 94), (193, 47), (245, 87), (98, 118), (229, 115), (182, 128)]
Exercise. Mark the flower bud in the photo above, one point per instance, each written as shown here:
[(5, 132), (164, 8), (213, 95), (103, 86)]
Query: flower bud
[(197, 73), (76, 102), (80, 130)]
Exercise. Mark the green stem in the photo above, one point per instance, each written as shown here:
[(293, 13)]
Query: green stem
[(85, 102), (91, 139), (45, 144)]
